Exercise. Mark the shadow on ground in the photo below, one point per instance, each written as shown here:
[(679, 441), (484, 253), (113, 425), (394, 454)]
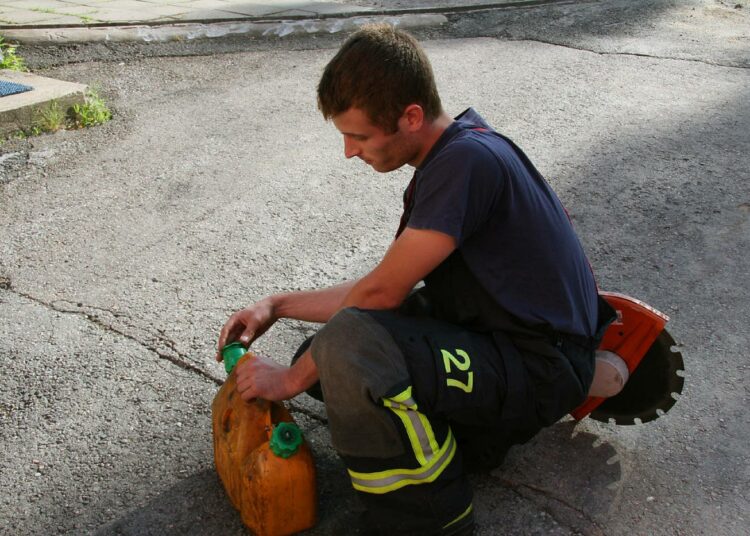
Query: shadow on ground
[(198, 505), (555, 476), (563, 479)]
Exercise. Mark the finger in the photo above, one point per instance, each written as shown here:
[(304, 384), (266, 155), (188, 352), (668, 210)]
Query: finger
[(228, 333), (247, 395), (219, 347), (244, 379), (246, 391), (247, 337), (222, 339)]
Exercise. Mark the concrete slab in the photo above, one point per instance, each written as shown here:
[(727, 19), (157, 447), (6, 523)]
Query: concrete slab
[(204, 4), (77, 11), (31, 17), (17, 112), (292, 8), (39, 16), (193, 31), (42, 4), (207, 14), (35, 5), (129, 15)]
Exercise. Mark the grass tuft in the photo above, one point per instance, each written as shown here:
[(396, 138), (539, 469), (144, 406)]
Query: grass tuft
[(54, 117), (50, 118), (8, 57), (93, 112)]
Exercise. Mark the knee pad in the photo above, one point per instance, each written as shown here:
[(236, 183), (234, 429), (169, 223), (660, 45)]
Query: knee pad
[(358, 363), (353, 348)]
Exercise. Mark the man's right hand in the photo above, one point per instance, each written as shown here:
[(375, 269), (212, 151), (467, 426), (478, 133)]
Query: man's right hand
[(247, 324)]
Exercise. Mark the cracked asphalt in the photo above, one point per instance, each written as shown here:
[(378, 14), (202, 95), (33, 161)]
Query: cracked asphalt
[(124, 248)]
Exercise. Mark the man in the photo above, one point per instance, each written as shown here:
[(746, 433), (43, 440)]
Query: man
[(422, 385)]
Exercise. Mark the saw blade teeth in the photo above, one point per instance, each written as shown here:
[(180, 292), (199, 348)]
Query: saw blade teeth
[(657, 387)]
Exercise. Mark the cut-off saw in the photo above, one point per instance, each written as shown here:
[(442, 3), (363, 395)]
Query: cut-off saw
[(656, 369)]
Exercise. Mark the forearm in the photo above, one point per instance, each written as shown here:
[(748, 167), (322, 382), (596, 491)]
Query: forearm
[(320, 306), (408, 260), (365, 293), (311, 305), (303, 374), (371, 292)]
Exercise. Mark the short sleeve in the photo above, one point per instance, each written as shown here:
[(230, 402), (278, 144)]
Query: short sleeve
[(458, 190)]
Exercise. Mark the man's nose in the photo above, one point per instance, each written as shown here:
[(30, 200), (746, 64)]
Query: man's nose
[(351, 148)]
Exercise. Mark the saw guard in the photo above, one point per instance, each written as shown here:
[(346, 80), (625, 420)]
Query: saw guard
[(630, 336)]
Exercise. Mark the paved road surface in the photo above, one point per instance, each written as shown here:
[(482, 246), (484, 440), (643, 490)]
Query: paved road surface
[(124, 248)]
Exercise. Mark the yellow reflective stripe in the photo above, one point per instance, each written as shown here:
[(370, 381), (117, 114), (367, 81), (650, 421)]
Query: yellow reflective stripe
[(403, 396), (386, 481), (459, 518), (418, 428), (397, 405), (429, 434), (416, 444)]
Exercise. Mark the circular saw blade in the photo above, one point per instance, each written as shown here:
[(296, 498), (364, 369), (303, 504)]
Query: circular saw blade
[(651, 390)]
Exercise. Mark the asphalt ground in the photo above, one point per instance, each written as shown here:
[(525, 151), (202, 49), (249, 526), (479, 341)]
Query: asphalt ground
[(125, 247)]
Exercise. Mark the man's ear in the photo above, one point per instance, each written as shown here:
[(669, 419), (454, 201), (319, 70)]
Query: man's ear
[(412, 119)]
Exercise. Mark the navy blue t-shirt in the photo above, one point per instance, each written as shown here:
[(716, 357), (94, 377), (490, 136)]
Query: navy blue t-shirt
[(510, 227)]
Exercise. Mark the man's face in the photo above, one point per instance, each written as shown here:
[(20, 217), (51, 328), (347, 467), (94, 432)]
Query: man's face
[(384, 152)]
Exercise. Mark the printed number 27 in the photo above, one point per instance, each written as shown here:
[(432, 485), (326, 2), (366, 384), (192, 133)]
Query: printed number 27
[(462, 364)]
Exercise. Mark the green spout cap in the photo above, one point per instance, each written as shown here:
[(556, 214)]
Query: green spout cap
[(232, 353), (285, 439)]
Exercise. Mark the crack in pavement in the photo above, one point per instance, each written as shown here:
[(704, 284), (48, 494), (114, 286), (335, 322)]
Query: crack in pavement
[(304, 411), (81, 304), (180, 359), (593, 529), (634, 54)]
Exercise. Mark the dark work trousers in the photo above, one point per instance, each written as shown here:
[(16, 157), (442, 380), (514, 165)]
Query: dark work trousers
[(418, 397)]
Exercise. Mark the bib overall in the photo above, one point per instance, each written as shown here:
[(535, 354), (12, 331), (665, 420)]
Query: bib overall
[(445, 385)]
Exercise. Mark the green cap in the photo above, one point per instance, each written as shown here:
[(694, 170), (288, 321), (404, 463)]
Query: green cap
[(232, 353), (285, 439)]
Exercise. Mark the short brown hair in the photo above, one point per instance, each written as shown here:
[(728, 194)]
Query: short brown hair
[(381, 71)]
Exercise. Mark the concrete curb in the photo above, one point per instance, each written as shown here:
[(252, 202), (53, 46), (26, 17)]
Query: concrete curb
[(192, 31), (280, 25), (18, 112)]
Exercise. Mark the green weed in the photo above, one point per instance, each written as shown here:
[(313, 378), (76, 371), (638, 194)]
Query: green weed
[(51, 118), (20, 134), (8, 57), (93, 112), (87, 19)]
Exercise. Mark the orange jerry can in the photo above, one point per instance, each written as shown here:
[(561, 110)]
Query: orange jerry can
[(262, 459)]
